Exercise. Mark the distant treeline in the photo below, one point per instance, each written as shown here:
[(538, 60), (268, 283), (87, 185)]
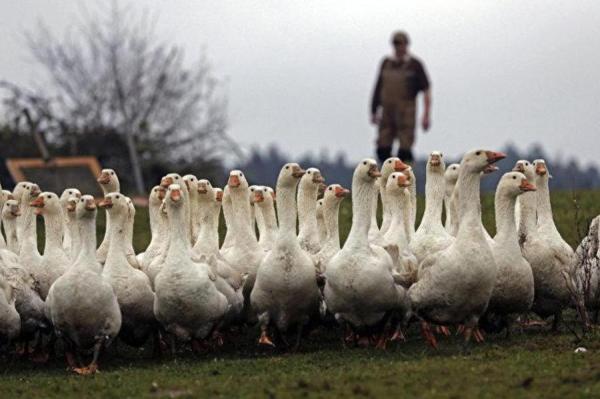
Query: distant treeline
[(262, 167)]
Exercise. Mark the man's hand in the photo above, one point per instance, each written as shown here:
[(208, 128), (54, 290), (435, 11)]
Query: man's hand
[(425, 122), (375, 119)]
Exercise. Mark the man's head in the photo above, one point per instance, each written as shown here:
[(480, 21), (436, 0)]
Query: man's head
[(400, 42)]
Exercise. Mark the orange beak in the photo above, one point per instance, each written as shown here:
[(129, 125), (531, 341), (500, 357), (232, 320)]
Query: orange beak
[(318, 179), (166, 182), (494, 156), (71, 205), (298, 172), (16, 211), (403, 181), (490, 169), (526, 186), (341, 192), (176, 195), (519, 168), (540, 169), (106, 203), (234, 181), (161, 193), (400, 166), (258, 197), (10, 197), (202, 189), (35, 191), (37, 203), (104, 178), (219, 196), (90, 204), (435, 160), (374, 171)]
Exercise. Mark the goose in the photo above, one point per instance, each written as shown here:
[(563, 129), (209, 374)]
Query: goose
[(321, 222), (360, 290), (375, 235), (10, 213), (268, 219), (158, 228), (128, 237), (82, 304), (308, 190), (191, 184), (227, 206), (186, 303), (174, 178), (155, 264), (109, 182), (5, 195), (456, 283), (30, 257), (551, 258), (246, 254), (54, 261), (254, 216), (431, 236), (10, 321), (450, 177), (412, 189), (228, 281), (525, 167), (514, 287), (388, 167), (588, 264), (333, 197), (68, 199), (131, 286), (285, 293)]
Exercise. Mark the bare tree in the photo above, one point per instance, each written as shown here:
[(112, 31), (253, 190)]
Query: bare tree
[(113, 73)]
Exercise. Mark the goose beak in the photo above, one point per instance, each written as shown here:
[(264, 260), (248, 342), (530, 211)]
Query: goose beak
[(38, 202), (318, 178), (374, 171), (526, 186), (202, 189), (71, 204), (165, 182), (106, 203), (400, 166), (10, 197), (15, 211), (35, 191), (234, 181), (403, 181), (104, 178), (90, 204), (341, 192), (435, 160), (219, 196), (494, 156), (161, 193), (490, 169), (540, 169), (519, 168), (176, 195), (298, 172), (258, 197)]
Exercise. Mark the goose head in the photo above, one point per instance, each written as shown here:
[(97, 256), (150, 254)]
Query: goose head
[(109, 181), (541, 170), (391, 165), (367, 171), (525, 167), (174, 197), (252, 190), (218, 193), (451, 174), (69, 199), (11, 209), (263, 196), (26, 191), (312, 178), (513, 184), (157, 195), (171, 178), (478, 161), (86, 207), (397, 182), (435, 162), (206, 191), (271, 193), (5, 195), (290, 174), (115, 204), (335, 193), (191, 182), (237, 181), (46, 203)]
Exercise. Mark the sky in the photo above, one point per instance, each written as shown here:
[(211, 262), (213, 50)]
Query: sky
[(300, 74)]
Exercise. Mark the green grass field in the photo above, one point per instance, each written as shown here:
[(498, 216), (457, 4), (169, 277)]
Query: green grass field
[(532, 363)]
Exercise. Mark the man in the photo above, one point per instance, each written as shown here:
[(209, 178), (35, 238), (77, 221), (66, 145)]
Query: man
[(393, 106)]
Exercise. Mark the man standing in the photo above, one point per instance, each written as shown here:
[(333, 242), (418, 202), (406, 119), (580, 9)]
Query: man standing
[(393, 106)]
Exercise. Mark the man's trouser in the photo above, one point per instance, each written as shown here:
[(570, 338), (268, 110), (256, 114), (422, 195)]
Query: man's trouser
[(397, 121)]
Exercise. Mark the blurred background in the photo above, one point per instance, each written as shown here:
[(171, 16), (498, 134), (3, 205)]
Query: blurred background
[(201, 87)]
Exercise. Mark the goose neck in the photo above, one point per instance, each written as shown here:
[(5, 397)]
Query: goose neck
[(544, 206), (118, 240), (506, 230), (241, 212), (363, 194), (179, 244), (54, 231), (208, 237), (434, 199), (469, 206), (87, 233), (331, 213), (286, 209), (307, 208)]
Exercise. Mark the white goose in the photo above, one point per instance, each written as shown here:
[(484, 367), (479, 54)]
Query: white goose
[(229, 240), (360, 289), (525, 167), (10, 321), (10, 213), (29, 256), (191, 183), (285, 293), (68, 200), (513, 291), (109, 182), (457, 282), (390, 166), (81, 303), (265, 213), (588, 267), (321, 221), (175, 178), (308, 190), (450, 178), (5, 195), (375, 235), (549, 255), (54, 261), (158, 228), (131, 286), (187, 303), (431, 236), (334, 194)]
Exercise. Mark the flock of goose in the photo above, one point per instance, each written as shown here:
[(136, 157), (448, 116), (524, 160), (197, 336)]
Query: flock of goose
[(294, 274)]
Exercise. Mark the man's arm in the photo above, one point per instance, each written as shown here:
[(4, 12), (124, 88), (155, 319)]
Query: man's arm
[(376, 96), (426, 122)]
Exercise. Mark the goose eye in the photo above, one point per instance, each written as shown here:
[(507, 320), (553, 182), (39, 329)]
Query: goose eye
[(118, 196), (478, 153), (287, 167), (241, 175), (112, 173), (48, 196), (208, 184), (309, 172), (390, 161), (330, 188), (514, 177), (365, 162), (81, 200)]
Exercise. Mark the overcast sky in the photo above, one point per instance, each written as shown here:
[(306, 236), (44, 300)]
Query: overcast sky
[(300, 74)]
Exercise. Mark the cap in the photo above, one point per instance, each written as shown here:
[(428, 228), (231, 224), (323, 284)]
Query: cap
[(400, 36)]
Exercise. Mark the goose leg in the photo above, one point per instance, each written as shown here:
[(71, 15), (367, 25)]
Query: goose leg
[(93, 366), (264, 327), (428, 334), (444, 330)]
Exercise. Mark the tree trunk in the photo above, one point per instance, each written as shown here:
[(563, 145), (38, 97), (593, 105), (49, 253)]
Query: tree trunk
[(135, 164)]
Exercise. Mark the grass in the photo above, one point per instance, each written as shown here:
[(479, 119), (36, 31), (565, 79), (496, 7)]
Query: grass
[(533, 363)]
